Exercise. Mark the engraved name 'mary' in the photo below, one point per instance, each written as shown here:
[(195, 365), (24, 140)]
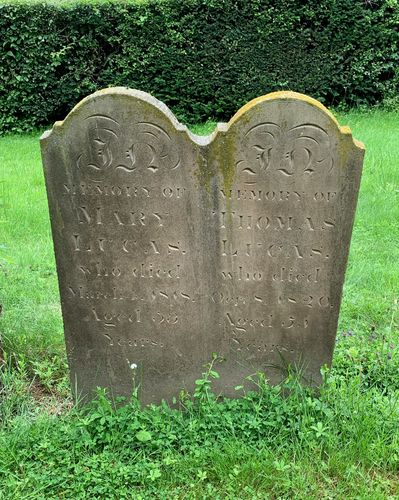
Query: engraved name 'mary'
[(171, 247)]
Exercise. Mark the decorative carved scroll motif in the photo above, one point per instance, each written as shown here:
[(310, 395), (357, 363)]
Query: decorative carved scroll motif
[(149, 149), (152, 148), (303, 149), (102, 144)]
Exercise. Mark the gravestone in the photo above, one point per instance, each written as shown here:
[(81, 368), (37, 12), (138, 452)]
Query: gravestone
[(171, 247)]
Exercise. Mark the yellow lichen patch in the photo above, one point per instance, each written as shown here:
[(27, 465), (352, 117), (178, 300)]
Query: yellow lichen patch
[(347, 131), (204, 171), (283, 95), (227, 160)]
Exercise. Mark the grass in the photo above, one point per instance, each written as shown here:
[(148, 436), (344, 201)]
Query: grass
[(340, 443)]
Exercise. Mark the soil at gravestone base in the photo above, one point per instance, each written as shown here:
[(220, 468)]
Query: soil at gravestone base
[(51, 402)]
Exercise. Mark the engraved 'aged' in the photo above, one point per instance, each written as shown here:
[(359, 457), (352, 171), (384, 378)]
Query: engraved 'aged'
[(171, 247)]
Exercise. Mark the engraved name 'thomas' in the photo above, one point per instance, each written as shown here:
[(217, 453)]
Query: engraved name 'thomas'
[(263, 222)]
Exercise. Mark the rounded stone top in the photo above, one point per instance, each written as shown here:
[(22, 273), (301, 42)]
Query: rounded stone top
[(139, 95)]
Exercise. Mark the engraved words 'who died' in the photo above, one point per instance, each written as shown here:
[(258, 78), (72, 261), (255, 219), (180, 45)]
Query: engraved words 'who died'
[(171, 246)]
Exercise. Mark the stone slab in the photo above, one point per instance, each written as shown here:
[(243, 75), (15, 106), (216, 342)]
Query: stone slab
[(171, 247)]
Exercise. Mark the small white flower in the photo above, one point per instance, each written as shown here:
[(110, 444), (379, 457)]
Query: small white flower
[(133, 366)]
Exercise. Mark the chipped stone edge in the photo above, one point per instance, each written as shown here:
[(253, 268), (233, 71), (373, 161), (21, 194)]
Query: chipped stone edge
[(220, 128)]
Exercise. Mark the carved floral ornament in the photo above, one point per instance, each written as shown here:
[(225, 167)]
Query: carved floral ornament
[(269, 146), (151, 148)]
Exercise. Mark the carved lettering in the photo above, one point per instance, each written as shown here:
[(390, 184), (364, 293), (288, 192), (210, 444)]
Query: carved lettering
[(260, 195), (112, 319), (83, 244), (290, 275), (173, 192), (306, 300), (140, 343), (84, 217), (165, 319), (239, 345), (272, 223), (98, 189), (151, 271), (242, 274)]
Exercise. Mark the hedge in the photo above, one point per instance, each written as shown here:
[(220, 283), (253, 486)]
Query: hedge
[(204, 58)]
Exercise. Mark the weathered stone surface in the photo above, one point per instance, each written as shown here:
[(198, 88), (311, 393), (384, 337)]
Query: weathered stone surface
[(171, 247)]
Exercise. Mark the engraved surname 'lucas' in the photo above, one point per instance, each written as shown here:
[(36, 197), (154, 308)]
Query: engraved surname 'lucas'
[(82, 243), (248, 249)]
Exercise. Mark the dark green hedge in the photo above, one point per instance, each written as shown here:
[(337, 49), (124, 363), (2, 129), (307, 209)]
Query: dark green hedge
[(204, 58)]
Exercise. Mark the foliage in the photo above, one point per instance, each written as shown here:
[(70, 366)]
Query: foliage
[(204, 58), (284, 441)]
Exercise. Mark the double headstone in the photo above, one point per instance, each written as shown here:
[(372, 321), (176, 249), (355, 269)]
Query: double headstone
[(171, 247)]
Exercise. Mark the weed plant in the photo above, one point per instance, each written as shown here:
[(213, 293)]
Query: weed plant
[(285, 441)]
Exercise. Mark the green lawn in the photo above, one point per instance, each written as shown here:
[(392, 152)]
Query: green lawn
[(340, 443)]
